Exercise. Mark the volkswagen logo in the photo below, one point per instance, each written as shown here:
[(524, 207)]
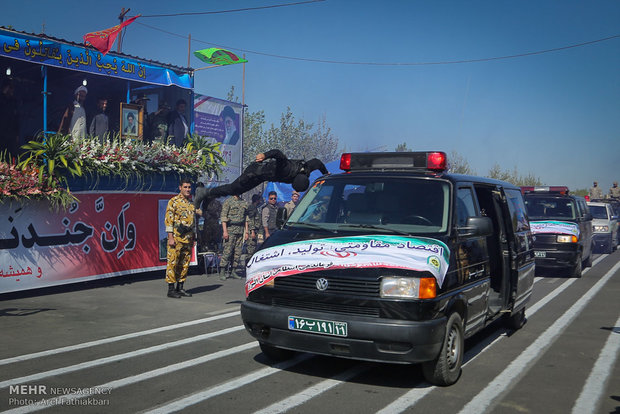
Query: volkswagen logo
[(321, 284)]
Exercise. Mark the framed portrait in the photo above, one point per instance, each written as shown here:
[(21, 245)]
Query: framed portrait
[(131, 121)]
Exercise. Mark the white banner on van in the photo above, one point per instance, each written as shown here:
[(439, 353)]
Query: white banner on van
[(554, 227), (375, 251)]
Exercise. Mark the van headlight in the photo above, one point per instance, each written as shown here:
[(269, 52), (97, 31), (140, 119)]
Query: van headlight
[(601, 229), (408, 287), (565, 238)]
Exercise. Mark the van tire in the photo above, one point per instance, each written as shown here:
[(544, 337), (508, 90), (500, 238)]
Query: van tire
[(516, 321), (276, 354), (576, 271), (446, 368)]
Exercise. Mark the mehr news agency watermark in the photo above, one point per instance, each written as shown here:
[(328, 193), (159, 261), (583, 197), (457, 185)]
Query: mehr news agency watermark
[(23, 395)]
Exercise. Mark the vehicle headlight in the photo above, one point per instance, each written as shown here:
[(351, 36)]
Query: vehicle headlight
[(408, 287), (601, 229), (565, 238)]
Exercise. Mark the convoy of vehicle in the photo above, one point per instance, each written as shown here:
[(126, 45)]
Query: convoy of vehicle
[(395, 260), (561, 224)]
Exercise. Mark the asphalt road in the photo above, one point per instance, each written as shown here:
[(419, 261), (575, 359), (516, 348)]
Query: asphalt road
[(122, 346)]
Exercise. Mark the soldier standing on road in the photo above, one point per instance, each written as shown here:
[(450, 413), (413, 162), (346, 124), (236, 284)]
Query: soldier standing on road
[(595, 192), (254, 224), (614, 191), (234, 227), (180, 225)]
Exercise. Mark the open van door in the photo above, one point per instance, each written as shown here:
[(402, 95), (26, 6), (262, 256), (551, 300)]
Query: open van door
[(521, 256)]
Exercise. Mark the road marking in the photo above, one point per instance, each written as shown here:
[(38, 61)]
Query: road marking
[(119, 357), (219, 311), (65, 399), (590, 396), (114, 339), (412, 397), (314, 391), (227, 386), (501, 383)]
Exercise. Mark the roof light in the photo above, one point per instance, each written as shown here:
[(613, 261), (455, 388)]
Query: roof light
[(558, 189), (436, 161), (345, 162), (396, 161)]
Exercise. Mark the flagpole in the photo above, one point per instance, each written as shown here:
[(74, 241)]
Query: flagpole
[(121, 17), (189, 48), (243, 84)]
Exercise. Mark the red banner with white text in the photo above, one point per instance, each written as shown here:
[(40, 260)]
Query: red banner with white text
[(102, 235)]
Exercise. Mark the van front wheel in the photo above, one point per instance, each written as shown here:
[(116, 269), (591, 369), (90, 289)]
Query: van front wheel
[(446, 368)]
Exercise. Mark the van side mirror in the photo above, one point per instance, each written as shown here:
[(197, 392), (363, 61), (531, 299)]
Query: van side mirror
[(476, 226), (281, 217)]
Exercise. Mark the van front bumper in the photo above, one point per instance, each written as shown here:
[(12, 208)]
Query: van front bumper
[(370, 339), (603, 241)]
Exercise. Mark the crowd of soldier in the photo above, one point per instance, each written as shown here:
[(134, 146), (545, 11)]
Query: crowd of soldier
[(596, 193)]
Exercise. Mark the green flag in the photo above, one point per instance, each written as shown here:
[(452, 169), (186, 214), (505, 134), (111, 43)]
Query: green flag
[(218, 56)]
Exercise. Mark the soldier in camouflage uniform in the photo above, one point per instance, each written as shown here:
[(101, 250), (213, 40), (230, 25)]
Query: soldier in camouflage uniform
[(614, 191), (179, 221), (254, 225), (234, 227)]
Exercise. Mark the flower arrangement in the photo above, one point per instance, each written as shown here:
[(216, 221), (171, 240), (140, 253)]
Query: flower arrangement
[(43, 170), (29, 182)]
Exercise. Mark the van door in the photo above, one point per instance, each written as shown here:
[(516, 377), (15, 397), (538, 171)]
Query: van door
[(471, 260), (493, 205)]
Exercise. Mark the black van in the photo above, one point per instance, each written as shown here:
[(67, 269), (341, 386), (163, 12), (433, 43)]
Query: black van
[(394, 260), (562, 228)]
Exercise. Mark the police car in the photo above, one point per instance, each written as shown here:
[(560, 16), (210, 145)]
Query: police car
[(395, 260), (562, 228)]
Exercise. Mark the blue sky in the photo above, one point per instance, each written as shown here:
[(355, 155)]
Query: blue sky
[(556, 115)]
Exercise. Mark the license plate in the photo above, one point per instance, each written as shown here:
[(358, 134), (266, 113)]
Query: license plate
[(540, 254), (318, 326)]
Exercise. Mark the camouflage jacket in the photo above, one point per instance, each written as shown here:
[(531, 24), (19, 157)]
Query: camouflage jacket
[(179, 219), (234, 214)]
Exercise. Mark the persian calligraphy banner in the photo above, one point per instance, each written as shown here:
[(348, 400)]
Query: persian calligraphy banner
[(376, 251), (103, 235), (221, 121), (555, 227), (49, 52)]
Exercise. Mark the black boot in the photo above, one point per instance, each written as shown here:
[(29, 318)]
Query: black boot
[(182, 292), (172, 293)]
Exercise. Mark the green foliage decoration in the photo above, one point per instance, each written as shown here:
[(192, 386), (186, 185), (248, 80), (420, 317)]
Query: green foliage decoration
[(55, 157)]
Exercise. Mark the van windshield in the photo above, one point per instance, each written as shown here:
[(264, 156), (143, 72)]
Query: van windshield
[(599, 212), (550, 208), (398, 205)]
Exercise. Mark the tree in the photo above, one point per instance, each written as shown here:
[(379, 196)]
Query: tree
[(514, 177), (403, 148), (459, 165), (296, 138)]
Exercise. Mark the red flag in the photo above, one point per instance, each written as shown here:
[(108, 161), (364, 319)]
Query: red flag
[(104, 39)]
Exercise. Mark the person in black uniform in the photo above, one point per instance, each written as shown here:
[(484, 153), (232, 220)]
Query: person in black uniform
[(269, 166)]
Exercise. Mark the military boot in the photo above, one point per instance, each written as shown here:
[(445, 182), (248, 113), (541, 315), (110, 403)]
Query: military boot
[(172, 293), (222, 273), (235, 274), (181, 291)]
